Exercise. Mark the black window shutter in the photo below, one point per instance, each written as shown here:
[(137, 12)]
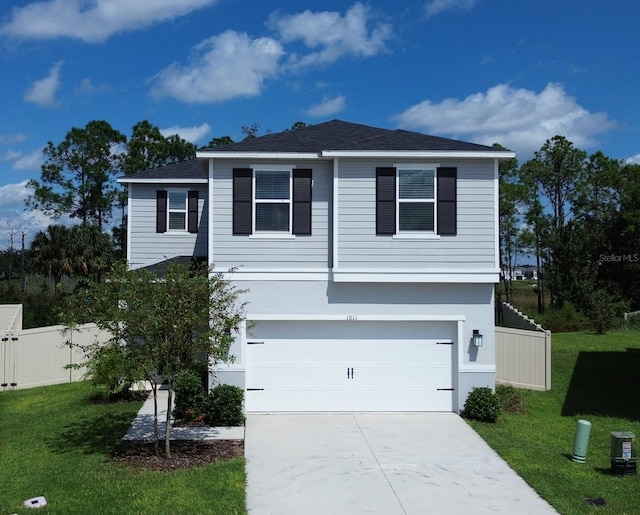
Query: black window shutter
[(447, 208), (385, 201), (302, 202), (242, 199), (161, 211), (192, 211)]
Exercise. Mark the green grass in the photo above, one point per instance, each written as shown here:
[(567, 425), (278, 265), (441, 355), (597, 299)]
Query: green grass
[(56, 442), (595, 378)]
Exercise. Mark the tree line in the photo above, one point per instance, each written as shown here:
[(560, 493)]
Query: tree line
[(578, 217)]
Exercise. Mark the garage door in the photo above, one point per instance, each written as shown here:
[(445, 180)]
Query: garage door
[(336, 366)]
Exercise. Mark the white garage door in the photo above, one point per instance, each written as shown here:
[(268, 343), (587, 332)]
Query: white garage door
[(364, 366)]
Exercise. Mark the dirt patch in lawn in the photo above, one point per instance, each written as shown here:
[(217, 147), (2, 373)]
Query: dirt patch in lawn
[(184, 454)]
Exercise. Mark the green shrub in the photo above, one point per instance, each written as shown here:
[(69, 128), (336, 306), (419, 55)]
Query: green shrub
[(482, 404), (566, 319), (223, 406), (602, 310), (190, 396), (512, 400), (111, 369)]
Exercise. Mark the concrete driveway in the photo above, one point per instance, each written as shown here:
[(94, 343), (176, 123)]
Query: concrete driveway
[(391, 463)]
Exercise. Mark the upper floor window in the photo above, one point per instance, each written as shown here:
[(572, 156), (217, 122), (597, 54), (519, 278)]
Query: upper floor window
[(177, 210), (416, 199), (272, 201)]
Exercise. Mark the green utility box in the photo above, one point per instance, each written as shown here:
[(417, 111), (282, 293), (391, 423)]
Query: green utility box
[(623, 453)]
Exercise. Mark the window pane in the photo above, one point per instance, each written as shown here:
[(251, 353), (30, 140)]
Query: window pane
[(272, 217), (416, 183), (176, 221), (416, 216), (177, 200), (272, 185)]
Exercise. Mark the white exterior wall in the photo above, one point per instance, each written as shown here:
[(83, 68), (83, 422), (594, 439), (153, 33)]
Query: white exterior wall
[(254, 253), (448, 311), (359, 247), (145, 246)]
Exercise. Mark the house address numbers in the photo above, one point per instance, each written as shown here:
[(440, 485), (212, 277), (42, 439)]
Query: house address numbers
[(352, 318)]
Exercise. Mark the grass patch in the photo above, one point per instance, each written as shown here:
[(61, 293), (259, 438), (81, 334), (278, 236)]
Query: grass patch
[(595, 378), (56, 441)]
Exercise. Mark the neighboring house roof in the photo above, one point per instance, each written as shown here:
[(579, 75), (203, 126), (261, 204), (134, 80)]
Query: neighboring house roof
[(337, 135), (187, 171)]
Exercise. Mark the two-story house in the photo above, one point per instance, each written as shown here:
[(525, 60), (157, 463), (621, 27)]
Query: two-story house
[(369, 257)]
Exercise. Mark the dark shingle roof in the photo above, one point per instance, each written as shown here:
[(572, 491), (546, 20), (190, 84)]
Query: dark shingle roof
[(187, 170), (337, 135)]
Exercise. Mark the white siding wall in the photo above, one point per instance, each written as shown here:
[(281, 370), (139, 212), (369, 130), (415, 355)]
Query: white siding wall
[(286, 254), (146, 245), (474, 302), (359, 247)]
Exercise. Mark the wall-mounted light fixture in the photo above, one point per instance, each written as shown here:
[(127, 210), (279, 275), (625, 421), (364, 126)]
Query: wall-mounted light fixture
[(477, 338)]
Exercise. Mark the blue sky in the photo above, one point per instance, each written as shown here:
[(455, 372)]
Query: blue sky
[(485, 71)]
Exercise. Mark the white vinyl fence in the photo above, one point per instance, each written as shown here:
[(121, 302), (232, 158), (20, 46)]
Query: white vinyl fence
[(37, 357)]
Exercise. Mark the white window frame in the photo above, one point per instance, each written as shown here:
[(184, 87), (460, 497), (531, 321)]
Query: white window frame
[(420, 166), (272, 169), (185, 211)]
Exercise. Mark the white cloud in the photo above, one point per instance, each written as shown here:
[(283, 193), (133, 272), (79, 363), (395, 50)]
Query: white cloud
[(328, 106), (15, 219), (14, 194), (438, 6), (222, 67), (43, 92), (192, 134), (519, 119), (31, 161), (21, 161), (633, 160), (10, 155), (93, 21), (87, 87), (332, 34), (12, 139)]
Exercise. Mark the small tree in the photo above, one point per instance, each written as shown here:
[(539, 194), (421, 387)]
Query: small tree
[(160, 326)]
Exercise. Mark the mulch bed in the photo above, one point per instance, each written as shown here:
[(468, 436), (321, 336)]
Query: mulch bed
[(184, 454)]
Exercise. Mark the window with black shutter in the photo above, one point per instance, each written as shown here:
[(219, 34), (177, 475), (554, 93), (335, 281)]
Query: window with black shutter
[(272, 201), (176, 211), (416, 199)]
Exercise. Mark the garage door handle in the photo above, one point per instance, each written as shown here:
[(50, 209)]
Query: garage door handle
[(446, 389), (255, 343), (349, 373), (255, 389), (444, 343)]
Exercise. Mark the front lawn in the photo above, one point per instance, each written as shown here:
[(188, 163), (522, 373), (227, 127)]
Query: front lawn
[(57, 441), (595, 378)]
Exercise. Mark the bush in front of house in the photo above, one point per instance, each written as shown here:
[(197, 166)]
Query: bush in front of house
[(482, 404), (223, 406), (190, 396), (512, 400)]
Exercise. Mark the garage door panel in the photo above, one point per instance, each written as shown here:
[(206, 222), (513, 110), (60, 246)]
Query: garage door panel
[(348, 374)]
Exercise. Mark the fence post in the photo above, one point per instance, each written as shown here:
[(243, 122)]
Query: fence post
[(547, 350)]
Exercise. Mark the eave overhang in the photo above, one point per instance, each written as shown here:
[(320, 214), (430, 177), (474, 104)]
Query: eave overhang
[(149, 180), (377, 154)]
